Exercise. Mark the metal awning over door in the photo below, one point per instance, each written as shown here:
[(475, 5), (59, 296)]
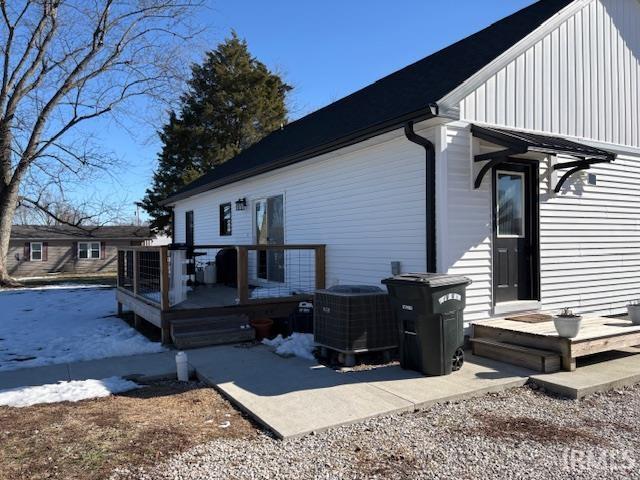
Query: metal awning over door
[(519, 143)]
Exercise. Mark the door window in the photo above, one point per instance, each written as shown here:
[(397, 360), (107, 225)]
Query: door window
[(269, 225), (510, 205)]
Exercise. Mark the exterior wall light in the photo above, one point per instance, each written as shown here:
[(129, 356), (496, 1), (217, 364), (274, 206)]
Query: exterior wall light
[(241, 204)]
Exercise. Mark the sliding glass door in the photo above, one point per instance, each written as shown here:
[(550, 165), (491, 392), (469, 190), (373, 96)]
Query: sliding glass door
[(269, 224)]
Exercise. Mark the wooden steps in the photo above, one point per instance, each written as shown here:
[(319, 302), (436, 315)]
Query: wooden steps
[(543, 361), (203, 332)]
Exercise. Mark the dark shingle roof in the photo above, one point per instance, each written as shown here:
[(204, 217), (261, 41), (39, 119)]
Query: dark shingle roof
[(54, 232), (403, 95)]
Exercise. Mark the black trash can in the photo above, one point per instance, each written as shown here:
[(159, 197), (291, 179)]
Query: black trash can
[(428, 311)]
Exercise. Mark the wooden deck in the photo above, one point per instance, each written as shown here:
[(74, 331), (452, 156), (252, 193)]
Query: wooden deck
[(597, 334), (208, 314), (208, 296)]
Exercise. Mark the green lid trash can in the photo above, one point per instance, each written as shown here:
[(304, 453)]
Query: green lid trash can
[(428, 311)]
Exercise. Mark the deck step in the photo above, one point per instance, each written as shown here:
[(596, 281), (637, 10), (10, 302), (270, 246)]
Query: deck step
[(206, 323), (543, 361), (203, 332)]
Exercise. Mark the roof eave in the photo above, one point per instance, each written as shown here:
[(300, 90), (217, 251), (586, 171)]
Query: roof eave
[(360, 136)]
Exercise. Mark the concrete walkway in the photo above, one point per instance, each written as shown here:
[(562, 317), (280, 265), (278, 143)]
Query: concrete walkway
[(601, 373), (141, 367), (292, 397)]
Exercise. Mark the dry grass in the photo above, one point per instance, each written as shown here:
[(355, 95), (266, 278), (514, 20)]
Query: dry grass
[(526, 428), (89, 439)]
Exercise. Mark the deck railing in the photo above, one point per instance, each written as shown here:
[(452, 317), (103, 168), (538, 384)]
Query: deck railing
[(144, 272), (259, 273)]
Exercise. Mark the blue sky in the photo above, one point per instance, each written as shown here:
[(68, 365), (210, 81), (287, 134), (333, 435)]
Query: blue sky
[(325, 49)]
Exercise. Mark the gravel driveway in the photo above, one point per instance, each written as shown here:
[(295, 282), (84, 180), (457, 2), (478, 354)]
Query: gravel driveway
[(517, 434)]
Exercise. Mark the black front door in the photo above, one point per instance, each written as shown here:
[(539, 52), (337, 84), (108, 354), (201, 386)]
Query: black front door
[(515, 233)]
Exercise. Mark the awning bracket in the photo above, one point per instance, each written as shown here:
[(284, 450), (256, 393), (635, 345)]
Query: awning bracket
[(574, 167), (485, 168)]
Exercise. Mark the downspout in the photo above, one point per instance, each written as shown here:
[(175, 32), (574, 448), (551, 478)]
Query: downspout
[(430, 151), (173, 225)]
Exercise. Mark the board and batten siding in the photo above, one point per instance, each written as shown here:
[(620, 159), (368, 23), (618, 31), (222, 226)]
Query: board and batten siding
[(582, 79), (589, 234), (366, 203)]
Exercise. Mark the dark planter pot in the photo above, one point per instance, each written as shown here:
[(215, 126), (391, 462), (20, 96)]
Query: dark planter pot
[(262, 326)]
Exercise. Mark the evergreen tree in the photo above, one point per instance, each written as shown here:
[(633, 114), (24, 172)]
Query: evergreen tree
[(233, 101)]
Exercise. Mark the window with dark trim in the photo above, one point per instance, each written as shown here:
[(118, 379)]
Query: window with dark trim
[(188, 227), (225, 219)]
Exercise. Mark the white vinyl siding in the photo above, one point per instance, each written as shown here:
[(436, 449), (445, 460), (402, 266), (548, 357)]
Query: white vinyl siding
[(580, 80), (589, 234), (466, 248), (590, 240), (366, 203)]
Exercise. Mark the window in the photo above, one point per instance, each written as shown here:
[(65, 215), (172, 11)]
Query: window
[(510, 205), (225, 219), (89, 250), (188, 227), (36, 251)]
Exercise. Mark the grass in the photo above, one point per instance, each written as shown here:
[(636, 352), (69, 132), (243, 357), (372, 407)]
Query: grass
[(89, 439)]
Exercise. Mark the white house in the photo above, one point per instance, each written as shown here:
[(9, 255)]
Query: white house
[(452, 165)]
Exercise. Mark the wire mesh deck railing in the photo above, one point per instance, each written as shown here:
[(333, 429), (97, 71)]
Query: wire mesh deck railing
[(167, 276)]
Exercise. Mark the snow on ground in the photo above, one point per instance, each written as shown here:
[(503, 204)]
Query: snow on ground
[(298, 344), (72, 391), (44, 326)]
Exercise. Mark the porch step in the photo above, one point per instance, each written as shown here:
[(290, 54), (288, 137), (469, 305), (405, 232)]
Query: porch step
[(543, 361), (203, 332)]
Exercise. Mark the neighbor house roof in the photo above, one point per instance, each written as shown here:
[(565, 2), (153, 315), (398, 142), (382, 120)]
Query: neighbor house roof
[(61, 232), (382, 106)]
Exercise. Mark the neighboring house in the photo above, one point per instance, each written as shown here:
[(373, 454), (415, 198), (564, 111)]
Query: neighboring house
[(39, 249), (511, 157)]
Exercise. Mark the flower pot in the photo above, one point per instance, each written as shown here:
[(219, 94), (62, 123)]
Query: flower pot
[(634, 313), (262, 326), (567, 326)]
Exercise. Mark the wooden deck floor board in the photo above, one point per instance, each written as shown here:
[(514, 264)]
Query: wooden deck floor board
[(597, 334)]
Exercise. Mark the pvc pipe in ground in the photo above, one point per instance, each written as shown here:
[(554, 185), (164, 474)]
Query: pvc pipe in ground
[(182, 367)]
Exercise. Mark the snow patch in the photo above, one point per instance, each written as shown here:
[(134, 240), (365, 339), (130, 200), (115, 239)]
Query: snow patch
[(48, 326), (298, 344), (72, 391)]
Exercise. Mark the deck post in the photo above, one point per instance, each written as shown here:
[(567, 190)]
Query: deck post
[(119, 310), (568, 363), (165, 333), (137, 321), (164, 279), (135, 272), (320, 264), (243, 275)]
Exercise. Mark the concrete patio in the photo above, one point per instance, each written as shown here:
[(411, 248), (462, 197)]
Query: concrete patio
[(293, 397)]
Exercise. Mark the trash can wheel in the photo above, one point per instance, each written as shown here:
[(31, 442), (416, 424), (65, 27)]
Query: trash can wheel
[(458, 360)]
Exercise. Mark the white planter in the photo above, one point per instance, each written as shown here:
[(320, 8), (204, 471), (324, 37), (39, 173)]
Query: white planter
[(634, 313), (568, 327)]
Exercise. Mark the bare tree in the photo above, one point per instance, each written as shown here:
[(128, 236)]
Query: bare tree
[(62, 64)]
